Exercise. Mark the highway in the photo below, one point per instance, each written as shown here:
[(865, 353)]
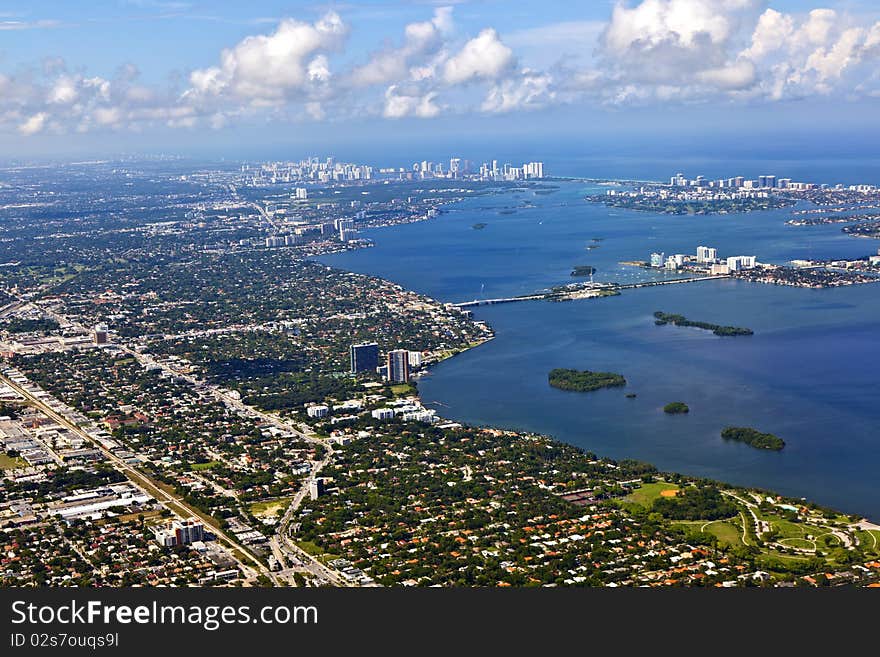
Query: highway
[(173, 503), (281, 541)]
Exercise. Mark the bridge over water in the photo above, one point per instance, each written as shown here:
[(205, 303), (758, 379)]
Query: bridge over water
[(614, 287)]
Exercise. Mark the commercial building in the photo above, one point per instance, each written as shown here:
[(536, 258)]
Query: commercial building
[(398, 366), (364, 357)]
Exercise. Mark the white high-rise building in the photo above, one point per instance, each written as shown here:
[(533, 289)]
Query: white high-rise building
[(706, 254), (736, 263)]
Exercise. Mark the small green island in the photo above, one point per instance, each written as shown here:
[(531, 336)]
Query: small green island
[(661, 319), (584, 380), (583, 270), (479, 226), (676, 408), (753, 438)]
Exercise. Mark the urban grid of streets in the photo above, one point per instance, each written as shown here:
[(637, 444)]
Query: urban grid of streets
[(288, 558)]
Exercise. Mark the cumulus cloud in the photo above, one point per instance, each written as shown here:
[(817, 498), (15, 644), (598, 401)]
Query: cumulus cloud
[(529, 90), (420, 40), (648, 51), (400, 103), (684, 23), (811, 54), (268, 68), (33, 124), (484, 56), (668, 50)]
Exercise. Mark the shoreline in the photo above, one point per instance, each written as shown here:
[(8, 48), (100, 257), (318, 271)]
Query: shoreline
[(430, 366)]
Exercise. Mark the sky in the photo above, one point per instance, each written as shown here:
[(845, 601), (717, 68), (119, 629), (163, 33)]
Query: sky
[(264, 76)]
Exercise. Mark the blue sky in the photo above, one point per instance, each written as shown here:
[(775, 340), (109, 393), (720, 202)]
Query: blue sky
[(220, 77)]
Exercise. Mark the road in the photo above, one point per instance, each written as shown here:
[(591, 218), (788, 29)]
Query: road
[(282, 540), (172, 502)]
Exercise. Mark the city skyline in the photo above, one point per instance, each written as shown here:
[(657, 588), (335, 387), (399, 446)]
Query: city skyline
[(189, 77)]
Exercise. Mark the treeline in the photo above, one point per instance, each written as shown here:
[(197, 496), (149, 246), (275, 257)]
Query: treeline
[(695, 503), (20, 325), (289, 390)]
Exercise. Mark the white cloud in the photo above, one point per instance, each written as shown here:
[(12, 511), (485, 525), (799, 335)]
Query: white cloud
[(812, 54), (772, 31), (684, 23), (531, 90), (270, 67), (400, 104), (64, 91), (738, 75), (484, 56), (649, 51), (33, 124), (421, 39)]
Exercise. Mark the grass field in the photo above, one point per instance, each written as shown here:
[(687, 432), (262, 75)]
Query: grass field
[(403, 390), (204, 466), (270, 509), (647, 493), (727, 532), (869, 540), (793, 530), (11, 462), (312, 549), (800, 543)]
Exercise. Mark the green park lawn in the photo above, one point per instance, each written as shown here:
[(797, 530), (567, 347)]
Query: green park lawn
[(403, 390), (204, 466), (647, 493), (869, 540), (311, 548), (727, 532)]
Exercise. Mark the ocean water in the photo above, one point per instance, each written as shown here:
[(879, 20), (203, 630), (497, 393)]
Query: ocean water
[(809, 374)]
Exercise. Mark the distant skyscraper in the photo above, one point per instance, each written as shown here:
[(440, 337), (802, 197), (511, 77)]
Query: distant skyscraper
[(364, 357), (398, 366)]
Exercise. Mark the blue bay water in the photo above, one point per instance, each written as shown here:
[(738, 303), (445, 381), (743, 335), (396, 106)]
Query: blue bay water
[(808, 374)]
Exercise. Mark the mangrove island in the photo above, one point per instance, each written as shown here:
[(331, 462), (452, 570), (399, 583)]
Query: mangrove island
[(680, 320), (584, 381), (753, 438)]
